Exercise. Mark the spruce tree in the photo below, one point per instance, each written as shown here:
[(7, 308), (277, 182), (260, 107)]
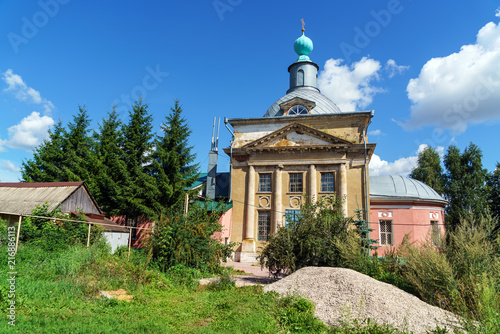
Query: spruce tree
[(173, 165), (494, 192), (465, 184), (80, 161), (47, 162), (140, 191), (112, 175), (429, 170)]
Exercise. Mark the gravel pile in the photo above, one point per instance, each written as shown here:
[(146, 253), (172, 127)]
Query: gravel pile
[(342, 295)]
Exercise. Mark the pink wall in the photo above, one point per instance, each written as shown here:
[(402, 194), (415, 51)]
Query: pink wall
[(225, 220), (412, 218)]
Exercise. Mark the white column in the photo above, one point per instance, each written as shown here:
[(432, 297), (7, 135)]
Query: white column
[(313, 193), (277, 200), (250, 221), (343, 188)]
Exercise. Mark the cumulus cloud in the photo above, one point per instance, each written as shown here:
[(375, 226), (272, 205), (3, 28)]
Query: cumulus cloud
[(402, 166), (30, 132), (392, 68), (497, 13), (9, 166), (460, 89), (377, 132), (350, 87), (22, 92)]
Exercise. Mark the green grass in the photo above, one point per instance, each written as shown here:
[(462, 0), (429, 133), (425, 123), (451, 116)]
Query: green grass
[(59, 293)]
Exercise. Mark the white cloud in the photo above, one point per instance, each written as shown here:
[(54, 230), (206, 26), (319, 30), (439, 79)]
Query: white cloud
[(30, 132), (497, 13), (459, 89), (350, 87), (9, 166), (22, 92), (377, 132), (402, 166), (392, 68)]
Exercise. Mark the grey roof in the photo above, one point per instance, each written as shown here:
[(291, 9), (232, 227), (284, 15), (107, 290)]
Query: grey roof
[(22, 198), (323, 104), (400, 187)]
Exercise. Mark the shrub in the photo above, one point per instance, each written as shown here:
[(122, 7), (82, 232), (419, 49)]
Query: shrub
[(310, 240), (188, 240), (55, 234)]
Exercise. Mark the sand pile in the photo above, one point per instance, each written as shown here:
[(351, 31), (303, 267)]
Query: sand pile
[(342, 295)]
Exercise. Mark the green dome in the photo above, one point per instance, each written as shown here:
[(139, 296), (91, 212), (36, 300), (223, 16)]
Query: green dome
[(303, 46)]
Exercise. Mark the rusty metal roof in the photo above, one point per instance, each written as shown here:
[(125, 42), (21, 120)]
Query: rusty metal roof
[(22, 198)]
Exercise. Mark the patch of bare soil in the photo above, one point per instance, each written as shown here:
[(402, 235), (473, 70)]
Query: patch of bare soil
[(119, 294)]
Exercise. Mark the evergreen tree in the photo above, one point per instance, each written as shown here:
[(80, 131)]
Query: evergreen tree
[(173, 165), (80, 161), (47, 162), (494, 191), (429, 170), (140, 191), (112, 175), (465, 184)]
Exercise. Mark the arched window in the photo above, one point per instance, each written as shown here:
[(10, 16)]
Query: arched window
[(297, 110), (300, 78)]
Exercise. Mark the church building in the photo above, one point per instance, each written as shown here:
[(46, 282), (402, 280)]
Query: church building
[(302, 148)]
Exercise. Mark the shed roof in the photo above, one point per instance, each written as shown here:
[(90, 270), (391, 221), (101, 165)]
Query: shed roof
[(22, 198)]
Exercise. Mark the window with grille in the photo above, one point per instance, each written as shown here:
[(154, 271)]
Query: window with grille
[(327, 182), (291, 216), (435, 235), (264, 225), (386, 238), (265, 182), (295, 184)]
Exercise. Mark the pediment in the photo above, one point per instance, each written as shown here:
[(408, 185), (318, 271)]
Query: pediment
[(296, 135), (297, 100)]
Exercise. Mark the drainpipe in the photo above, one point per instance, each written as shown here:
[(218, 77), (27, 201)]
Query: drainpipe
[(367, 195), (231, 161)]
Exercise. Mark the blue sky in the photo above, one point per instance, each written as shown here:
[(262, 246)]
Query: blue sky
[(429, 69)]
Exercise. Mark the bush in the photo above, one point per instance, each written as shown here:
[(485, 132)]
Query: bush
[(310, 240), (55, 234), (188, 240)]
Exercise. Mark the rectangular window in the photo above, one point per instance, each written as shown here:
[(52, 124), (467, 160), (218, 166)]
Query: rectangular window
[(386, 233), (264, 225), (265, 182), (291, 216), (327, 182), (435, 235), (132, 222), (295, 184)]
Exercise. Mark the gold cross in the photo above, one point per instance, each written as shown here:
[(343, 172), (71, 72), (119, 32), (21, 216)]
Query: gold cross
[(303, 24)]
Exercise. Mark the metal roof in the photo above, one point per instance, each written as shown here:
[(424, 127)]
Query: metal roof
[(22, 198), (400, 187), (323, 104)]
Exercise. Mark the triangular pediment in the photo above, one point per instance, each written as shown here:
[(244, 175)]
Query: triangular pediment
[(297, 135)]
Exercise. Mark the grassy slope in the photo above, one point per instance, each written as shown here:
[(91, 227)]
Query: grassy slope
[(59, 293)]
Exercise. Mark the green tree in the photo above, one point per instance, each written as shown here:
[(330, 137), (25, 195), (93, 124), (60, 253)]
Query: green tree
[(140, 191), (112, 175), (48, 159), (465, 184), (173, 164), (494, 191), (429, 170), (80, 161)]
